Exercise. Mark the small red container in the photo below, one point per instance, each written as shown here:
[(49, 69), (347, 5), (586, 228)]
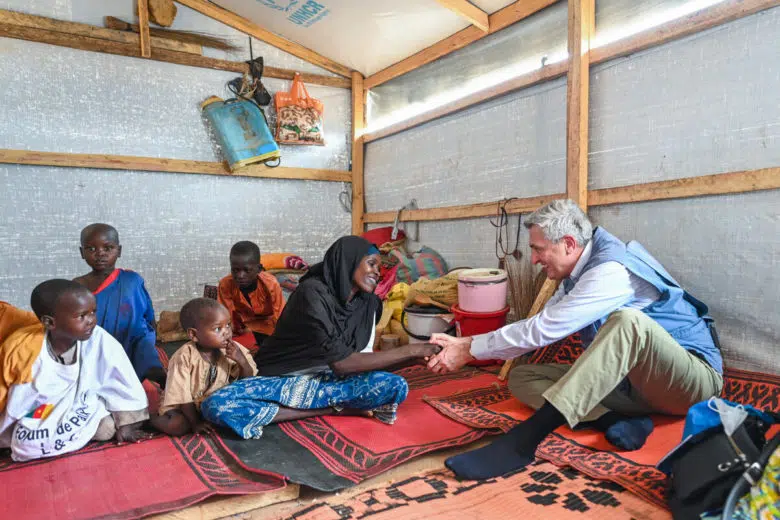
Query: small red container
[(473, 323)]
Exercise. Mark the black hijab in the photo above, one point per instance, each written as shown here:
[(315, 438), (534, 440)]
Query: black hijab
[(319, 324)]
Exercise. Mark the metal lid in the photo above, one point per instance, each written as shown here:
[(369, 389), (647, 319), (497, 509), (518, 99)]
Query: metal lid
[(482, 276), (210, 100)]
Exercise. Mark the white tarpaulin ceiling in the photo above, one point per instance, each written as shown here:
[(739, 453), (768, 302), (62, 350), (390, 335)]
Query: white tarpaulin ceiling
[(365, 35)]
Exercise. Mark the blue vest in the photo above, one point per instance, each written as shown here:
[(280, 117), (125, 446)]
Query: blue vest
[(683, 316)]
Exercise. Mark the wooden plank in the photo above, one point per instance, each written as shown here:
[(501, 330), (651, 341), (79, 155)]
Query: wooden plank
[(196, 38), (547, 73), (143, 28), (501, 19), (545, 293), (316, 79), (75, 41), (706, 185), (227, 506), (581, 28), (92, 31), (248, 27), (484, 209), (85, 43), (154, 164), (718, 14), (358, 147), (465, 9)]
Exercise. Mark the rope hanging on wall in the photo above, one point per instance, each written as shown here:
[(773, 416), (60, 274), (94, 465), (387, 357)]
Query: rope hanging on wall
[(519, 270), (345, 197)]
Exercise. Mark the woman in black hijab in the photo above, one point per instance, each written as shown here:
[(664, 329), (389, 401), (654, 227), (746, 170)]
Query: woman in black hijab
[(319, 360)]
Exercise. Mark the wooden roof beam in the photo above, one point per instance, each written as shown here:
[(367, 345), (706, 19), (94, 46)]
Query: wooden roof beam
[(696, 22), (92, 31), (79, 36), (252, 29), (501, 19), (465, 9)]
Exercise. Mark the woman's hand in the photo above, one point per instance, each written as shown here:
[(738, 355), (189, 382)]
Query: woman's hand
[(423, 350), (455, 353)]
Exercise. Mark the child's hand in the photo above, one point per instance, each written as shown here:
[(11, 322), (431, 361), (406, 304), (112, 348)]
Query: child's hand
[(202, 428), (233, 352)]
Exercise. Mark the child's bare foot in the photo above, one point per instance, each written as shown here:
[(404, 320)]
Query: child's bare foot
[(131, 433)]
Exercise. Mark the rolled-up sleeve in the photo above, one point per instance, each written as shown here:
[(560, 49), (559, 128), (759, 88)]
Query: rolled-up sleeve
[(600, 291)]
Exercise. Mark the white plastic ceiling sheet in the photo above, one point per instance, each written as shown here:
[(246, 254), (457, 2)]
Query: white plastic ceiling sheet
[(365, 35)]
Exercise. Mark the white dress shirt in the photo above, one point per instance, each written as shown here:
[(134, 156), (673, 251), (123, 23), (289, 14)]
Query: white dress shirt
[(598, 292)]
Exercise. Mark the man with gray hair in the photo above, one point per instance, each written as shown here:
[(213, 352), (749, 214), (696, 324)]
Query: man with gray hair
[(650, 345)]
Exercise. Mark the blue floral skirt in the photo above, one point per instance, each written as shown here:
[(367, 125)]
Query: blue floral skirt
[(251, 403)]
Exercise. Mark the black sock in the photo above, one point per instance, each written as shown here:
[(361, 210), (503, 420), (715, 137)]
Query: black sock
[(625, 432), (510, 452)]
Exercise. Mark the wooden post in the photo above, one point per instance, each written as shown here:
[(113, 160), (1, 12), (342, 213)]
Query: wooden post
[(581, 27), (358, 125), (143, 24)]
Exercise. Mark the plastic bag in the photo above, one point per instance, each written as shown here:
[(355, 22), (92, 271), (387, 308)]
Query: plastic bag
[(763, 500), (298, 116)]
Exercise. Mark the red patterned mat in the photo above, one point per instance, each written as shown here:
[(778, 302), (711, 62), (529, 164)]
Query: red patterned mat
[(496, 410), (540, 491), (123, 482), (356, 448)]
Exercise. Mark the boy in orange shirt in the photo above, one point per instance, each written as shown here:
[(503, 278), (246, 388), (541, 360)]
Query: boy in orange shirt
[(252, 296)]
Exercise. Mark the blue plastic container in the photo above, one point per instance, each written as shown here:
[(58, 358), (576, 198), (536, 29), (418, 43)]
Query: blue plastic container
[(242, 131)]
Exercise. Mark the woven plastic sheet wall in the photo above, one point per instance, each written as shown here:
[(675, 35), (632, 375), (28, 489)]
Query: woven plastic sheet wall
[(513, 146), (702, 105), (176, 229), (509, 52)]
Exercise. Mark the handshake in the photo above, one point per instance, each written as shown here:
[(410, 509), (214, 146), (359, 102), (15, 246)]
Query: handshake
[(454, 353)]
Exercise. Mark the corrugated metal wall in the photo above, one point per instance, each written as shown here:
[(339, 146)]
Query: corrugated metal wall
[(702, 105), (176, 229)]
